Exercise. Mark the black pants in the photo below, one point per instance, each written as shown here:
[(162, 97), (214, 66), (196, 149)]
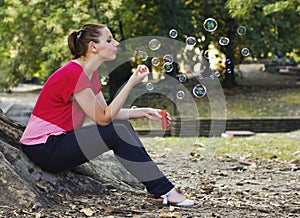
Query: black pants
[(77, 147)]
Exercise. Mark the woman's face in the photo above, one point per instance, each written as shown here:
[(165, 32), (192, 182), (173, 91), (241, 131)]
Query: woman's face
[(107, 47)]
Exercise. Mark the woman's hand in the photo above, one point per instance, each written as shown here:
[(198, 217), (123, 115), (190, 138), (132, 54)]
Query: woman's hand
[(139, 74), (154, 114)]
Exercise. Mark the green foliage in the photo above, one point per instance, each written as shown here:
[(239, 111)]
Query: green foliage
[(272, 26), (278, 6), (33, 32)]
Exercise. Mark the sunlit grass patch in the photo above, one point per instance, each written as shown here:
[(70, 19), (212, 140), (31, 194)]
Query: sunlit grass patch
[(284, 146)]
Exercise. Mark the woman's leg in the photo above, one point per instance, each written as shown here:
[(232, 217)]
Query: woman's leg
[(131, 153), (79, 146)]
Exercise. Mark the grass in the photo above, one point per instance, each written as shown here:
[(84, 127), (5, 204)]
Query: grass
[(264, 103), (258, 95), (284, 146)]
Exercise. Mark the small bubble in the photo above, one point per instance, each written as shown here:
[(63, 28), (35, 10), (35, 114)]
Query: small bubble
[(212, 76), (210, 25), (224, 41), (168, 58), (180, 94), (141, 55), (182, 78), (190, 41), (155, 61), (199, 91), (168, 67), (154, 44), (173, 33), (241, 30), (245, 52), (217, 74), (228, 61), (200, 76), (228, 70), (206, 55), (149, 86)]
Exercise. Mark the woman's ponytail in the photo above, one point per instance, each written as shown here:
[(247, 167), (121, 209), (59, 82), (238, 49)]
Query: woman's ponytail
[(78, 40)]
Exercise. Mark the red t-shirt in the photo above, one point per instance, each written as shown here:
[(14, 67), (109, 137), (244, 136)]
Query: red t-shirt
[(56, 111)]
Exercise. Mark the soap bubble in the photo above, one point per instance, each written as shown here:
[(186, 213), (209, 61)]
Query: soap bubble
[(173, 33), (210, 24), (141, 55), (182, 78), (168, 67), (155, 61), (245, 52), (190, 41), (200, 76), (168, 58), (217, 74), (199, 91), (206, 55), (212, 76), (180, 94), (154, 44), (149, 86), (224, 41), (241, 30), (228, 61)]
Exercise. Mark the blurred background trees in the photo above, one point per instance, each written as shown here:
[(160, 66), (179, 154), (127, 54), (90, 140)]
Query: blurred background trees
[(33, 33)]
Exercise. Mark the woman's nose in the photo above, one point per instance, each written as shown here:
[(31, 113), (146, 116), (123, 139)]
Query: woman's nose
[(116, 43)]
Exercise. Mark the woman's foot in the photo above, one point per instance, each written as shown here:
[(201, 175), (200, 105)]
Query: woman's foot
[(176, 198)]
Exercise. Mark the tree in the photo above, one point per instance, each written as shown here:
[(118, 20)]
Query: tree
[(272, 26), (23, 184), (33, 33)]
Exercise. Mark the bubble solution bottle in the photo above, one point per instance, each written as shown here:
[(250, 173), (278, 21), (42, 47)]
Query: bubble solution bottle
[(164, 120)]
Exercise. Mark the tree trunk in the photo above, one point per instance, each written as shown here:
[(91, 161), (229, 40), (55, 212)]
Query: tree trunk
[(229, 81), (22, 183)]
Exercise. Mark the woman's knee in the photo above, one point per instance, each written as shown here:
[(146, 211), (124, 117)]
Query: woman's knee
[(126, 133)]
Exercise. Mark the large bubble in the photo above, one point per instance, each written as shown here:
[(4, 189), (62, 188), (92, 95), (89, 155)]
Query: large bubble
[(154, 44), (210, 24), (141, 55), (199, 91)]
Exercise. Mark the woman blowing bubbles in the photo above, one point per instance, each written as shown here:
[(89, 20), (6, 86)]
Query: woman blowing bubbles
[(55, 138)]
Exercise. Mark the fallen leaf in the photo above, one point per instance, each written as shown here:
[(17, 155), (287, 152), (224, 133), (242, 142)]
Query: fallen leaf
[(87, 211)]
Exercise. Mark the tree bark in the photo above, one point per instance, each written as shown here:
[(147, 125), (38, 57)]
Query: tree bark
[(22, 183)]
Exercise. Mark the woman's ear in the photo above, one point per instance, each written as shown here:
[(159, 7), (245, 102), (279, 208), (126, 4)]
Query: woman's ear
[(92, 46)]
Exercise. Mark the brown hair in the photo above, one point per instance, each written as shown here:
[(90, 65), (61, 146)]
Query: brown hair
[(78, 40)]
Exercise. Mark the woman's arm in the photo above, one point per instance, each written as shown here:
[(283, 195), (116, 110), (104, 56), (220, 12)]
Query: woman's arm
[(150, 113), (94, 106)]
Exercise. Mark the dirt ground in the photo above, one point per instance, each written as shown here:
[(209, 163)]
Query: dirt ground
[(225, 187)]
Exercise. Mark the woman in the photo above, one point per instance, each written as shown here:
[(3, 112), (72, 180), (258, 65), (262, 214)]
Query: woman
[(54, 137)]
